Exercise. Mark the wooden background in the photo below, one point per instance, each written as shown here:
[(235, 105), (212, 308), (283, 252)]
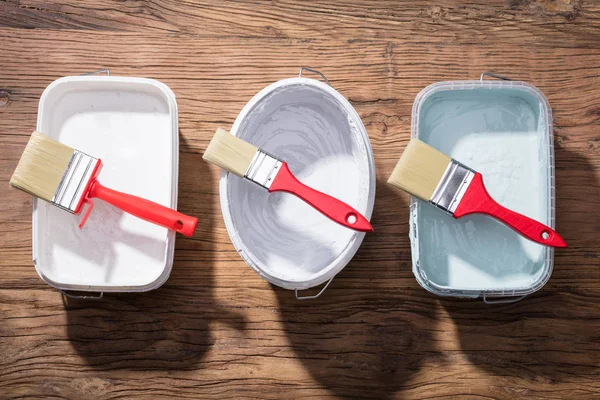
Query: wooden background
[(216, 330)]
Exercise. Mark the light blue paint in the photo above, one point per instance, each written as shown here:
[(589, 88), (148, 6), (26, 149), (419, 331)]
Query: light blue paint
[(501, 132)]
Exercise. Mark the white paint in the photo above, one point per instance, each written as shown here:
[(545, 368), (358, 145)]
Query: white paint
[(131, 124), (502, 133), (314, 129)]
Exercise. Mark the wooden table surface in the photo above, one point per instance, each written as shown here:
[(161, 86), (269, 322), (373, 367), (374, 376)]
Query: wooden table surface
[(217, 330)]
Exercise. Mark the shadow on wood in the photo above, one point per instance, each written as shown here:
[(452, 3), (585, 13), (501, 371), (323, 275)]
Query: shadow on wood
[(577, 206), (165, 329), (364, 338), (545, 338)]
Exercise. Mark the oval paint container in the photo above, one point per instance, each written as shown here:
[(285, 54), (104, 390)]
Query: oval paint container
[(503, 129), (315, 129), (131, 124)]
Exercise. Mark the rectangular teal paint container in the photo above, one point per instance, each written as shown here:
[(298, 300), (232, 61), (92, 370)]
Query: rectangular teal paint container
[(503, 129)]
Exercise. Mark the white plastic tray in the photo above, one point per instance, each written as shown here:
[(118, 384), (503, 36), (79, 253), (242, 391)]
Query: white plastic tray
[(131, 124)]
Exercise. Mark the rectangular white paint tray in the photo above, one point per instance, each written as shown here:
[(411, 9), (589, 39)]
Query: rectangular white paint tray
[(502, 129), (131, 124)]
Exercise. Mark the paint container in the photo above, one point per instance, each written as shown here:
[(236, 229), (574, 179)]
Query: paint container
[(131, 124), (314, 128), (503, 129)]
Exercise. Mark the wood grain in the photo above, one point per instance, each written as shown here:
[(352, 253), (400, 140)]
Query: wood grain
[(216, 330)]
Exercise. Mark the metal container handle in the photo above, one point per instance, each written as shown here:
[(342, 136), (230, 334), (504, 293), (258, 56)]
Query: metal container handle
[(100, 71), (503, 301), (492, 75), (99, 296), (302, 69), (313, 296)]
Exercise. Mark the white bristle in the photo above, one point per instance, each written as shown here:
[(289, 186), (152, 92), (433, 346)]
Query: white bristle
[(42, 166), (229, 152), (419, 169)]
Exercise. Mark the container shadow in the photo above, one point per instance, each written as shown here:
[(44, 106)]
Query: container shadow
[(365, 337), (164, 329), (550, 336)]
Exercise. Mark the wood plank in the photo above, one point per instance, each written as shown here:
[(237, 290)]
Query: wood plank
[(216, 330), (541, 23), (173, 342)]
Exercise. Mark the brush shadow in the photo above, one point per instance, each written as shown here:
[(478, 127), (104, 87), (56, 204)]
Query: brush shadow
[(163, 329), (470, 232), (365, 338), (547, 337), (107, 220), (276, 241)]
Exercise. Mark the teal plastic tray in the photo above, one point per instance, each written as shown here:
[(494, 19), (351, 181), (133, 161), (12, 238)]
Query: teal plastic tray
[(503, 129)]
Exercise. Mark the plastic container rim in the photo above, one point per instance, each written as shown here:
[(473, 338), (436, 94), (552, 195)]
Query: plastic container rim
[(173, 112), (420, 275), (347, 254)]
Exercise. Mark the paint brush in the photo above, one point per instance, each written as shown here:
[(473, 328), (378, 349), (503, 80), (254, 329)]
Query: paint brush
[(67, 178), (247, 161), (434, 177)]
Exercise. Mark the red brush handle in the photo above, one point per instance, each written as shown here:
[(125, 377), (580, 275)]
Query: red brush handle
[(145, 209), (478, 200), (331, 207)]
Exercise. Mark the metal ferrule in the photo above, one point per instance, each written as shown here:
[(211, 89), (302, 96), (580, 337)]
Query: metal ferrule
[(263, 169), (452, 187), (70, 192)]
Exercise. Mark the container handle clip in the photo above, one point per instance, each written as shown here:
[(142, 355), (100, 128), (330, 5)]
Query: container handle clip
[(302, 69), (98, 72), (66, 293), (492, 75), (486, 300), (313, 296)]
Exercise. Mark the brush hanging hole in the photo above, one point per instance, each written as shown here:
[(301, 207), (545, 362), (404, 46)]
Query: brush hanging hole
[(545, 235), (351, 218), (178, 224)]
